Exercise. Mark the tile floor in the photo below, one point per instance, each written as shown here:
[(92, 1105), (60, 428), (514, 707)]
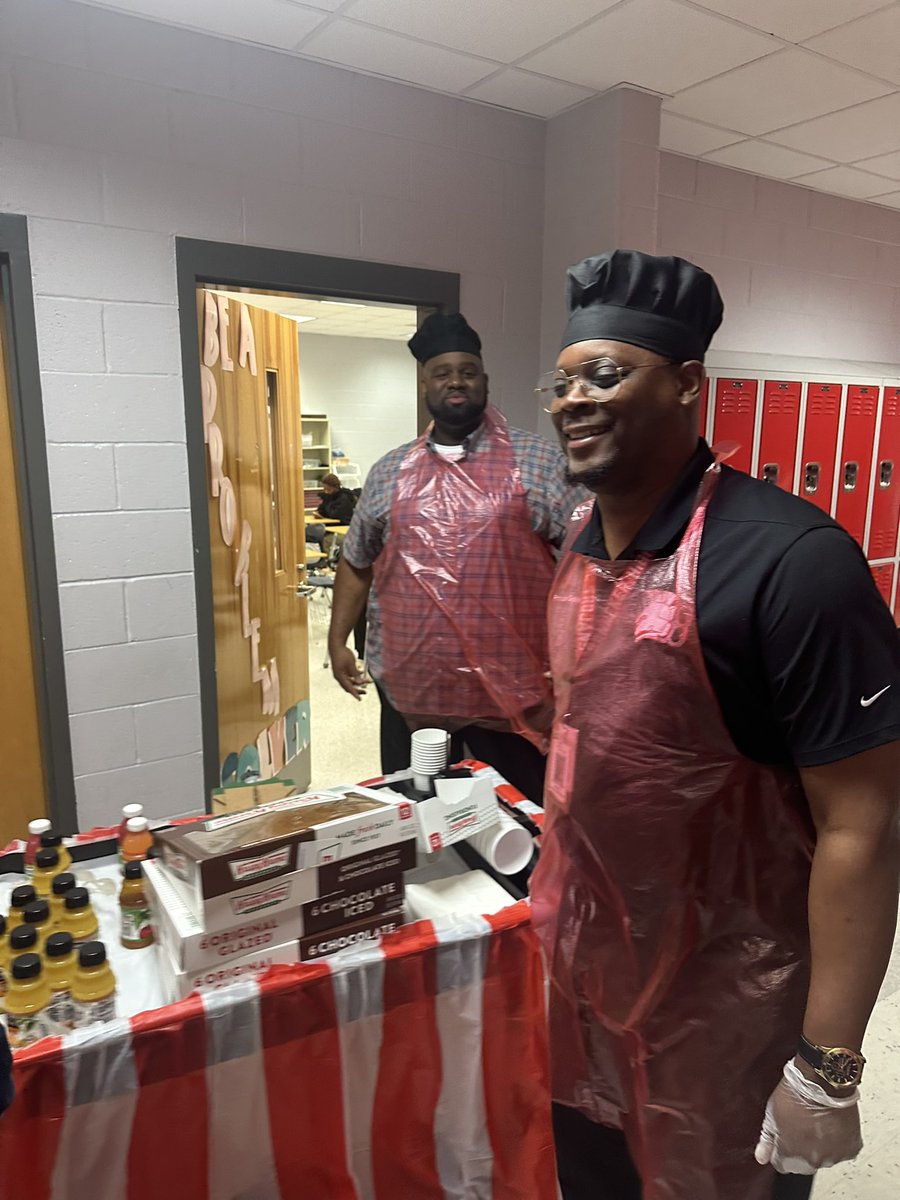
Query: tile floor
[(345, 750)]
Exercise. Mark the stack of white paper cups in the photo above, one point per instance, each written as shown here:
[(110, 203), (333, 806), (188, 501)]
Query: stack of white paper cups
[(507, 846), (429, 756)]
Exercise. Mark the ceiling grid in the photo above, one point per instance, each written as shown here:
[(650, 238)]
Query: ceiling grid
[(805, 91)]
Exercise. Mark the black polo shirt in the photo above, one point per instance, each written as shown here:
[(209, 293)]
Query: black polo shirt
[(796, 638)]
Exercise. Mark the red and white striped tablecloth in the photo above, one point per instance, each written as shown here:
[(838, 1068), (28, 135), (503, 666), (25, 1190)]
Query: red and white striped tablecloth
[(412, 1070)]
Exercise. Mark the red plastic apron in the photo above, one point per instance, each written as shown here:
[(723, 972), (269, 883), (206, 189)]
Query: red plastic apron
[(671, 893), (462, 588)]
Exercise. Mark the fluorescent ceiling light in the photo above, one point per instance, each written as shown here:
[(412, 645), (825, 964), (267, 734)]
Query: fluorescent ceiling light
[(343, 303)]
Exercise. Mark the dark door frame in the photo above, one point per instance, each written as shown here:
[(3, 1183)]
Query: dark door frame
[(199, 263), (36, 520)]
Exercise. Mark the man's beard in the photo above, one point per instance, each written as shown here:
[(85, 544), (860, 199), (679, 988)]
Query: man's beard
[(590, 477)]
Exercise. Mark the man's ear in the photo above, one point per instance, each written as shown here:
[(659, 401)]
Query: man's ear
[(692, 375)]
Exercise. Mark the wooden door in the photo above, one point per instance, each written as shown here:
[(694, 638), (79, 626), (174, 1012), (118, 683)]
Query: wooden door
[(251, 405), (23, 793)]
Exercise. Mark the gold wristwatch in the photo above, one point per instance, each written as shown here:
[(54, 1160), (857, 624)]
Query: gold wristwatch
[(838, 1066)]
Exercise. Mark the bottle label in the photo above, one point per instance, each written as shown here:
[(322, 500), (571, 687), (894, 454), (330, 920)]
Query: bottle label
[(137, 926), (61, 1011), (29, 869), (87, 1012), (24, 1028)]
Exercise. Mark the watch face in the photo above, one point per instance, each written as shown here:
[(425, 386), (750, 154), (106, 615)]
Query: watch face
[(842, 1068)]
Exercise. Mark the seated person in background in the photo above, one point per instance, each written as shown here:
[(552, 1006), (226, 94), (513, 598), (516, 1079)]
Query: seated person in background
[(337, 505), (337, 502)]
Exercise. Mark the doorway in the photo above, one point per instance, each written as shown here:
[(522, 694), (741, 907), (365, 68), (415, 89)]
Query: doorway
[(220, 268), (34, 720)]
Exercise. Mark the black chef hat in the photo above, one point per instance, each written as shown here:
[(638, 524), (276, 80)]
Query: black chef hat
[(444, 333), (666, 305)]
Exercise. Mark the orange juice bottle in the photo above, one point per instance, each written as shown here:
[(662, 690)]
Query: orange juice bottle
[(38, 915), (46, 868), (61, 884), (26, 1001), (93, 986), (59, 965), (36, 829), (128, 811), (22, 896), (137, 925), (137, 840), (78, 917), (53, 841), (4, 958)]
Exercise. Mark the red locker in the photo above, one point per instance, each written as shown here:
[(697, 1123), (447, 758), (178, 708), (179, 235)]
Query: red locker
[(855, 464), (886, 497), (735, 418), (780, 427), (704, 406), (823, 414), (884, 579)]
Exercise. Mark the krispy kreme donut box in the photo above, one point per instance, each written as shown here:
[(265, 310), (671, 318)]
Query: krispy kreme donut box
[(304, 847)]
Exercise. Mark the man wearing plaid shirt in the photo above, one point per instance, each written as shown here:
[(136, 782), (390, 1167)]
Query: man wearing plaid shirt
[(452, 544)]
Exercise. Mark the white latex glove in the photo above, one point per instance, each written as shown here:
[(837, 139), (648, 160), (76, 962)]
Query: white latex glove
[(805, 1128)]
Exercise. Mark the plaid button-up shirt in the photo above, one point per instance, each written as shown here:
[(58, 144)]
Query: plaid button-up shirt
[(550, 501)]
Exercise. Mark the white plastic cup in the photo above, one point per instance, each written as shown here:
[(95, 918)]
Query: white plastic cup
[(429, 755), (506, 846)]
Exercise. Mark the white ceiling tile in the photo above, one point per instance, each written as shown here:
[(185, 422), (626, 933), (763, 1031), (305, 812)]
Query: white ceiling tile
[(882, 164), (266, 22), (782, 89), (501, 29), (892, 201), (846, 181), (690, 137), (656, 44), (529, 93), (870, 44), (396, 57), (765, 159), (793, 20), (848, 136)]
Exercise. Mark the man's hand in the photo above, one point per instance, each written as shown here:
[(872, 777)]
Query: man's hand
[(346, 671), (805, 1128)]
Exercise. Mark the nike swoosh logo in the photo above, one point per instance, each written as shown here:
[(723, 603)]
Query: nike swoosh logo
[(871, 700)]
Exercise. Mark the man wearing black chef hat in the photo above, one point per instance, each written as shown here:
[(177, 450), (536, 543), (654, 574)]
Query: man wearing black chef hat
[(717, 889), (457, 531)]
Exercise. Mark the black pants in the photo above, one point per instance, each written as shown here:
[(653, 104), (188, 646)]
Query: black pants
[(594, 1163), (518, 761)]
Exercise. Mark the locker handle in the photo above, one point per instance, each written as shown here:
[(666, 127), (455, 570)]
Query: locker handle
[(851, 475), (811, 478), (770, 473), (885, 473)]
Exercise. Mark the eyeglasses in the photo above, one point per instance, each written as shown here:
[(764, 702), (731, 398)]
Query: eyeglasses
[(596, 380)]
